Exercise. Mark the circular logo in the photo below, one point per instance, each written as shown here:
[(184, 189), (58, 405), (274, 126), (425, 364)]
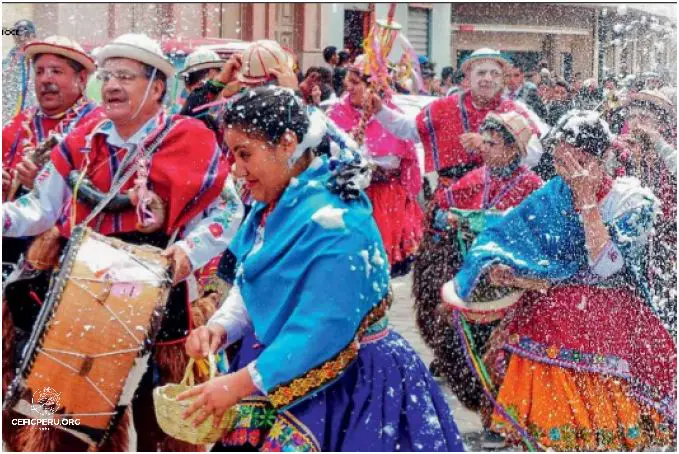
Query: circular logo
[(46, 402)]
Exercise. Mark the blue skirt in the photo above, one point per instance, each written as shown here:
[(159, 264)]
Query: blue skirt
[(386, 400)]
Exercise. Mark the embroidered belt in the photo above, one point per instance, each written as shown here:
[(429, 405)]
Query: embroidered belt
[(318, 377), (376, 331)]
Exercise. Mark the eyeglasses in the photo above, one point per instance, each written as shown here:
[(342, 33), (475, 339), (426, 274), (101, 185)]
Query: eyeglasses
[(124, 77)]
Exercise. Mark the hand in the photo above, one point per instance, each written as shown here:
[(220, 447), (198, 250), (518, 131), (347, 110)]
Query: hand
[(308, 84), (502, 276), (583, 182), (181, 264), (471, 140), (285, 76), (230, 68), (26, 172), (645, 126), (204, 340), (316, 95), (374, 104), (217, 396), (6, 181)]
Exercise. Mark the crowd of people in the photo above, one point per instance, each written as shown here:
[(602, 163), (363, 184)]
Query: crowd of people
[(543, 260)]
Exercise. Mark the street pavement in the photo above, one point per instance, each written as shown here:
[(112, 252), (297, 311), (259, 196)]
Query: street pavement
[(402, 318)]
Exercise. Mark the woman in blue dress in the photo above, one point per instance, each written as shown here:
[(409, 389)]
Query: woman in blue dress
[(318, 368)]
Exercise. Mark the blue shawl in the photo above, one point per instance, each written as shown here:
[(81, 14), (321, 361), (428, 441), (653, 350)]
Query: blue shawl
[(321, 270), (541, 238)]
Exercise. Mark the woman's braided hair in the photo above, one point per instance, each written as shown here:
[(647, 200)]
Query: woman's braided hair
[(269, 112)]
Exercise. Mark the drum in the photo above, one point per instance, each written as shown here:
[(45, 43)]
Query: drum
[(90, 345)]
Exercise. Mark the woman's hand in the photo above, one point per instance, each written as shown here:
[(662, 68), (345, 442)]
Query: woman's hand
[(204, 340), (229, 70), (583, 182), (285, 76), (373, 104), (471, 140), (218, 395), (503, 276), (181, 264), (316, 95)]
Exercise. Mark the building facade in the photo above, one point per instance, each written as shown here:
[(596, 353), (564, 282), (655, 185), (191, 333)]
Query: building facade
[(568, 38)]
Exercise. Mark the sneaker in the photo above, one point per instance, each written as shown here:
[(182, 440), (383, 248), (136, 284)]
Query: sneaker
[(492, 440)]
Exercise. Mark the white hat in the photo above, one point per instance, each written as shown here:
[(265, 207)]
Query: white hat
[(484, 54), (258, 58), (139, 47), (60, 45), (201, 58)]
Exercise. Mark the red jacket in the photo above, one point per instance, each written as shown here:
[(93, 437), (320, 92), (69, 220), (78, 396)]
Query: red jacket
[(187, 171), (441, 123), (30, 127), (500, 193)]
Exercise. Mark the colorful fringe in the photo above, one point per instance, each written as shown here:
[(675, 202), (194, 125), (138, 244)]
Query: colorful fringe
[(568, 410)]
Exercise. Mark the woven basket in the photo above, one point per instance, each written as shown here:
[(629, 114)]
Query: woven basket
[(169, 411)]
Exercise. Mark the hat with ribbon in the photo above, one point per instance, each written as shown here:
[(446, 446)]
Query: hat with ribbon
[(62, 46), (484, 54), (201, 59), (139, 47)]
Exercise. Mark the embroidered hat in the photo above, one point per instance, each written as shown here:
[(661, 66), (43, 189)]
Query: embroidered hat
[(201, 59), (484, 54), (63, 46), (515, 124), (139, 47), (258, 59)]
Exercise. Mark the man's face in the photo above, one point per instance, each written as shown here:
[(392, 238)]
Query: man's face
[(123, 87), (485, 78), (559, 93), (514, 78), (57, 85)]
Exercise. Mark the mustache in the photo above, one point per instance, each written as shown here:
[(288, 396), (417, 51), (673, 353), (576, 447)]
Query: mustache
[(117, 95), (49, 88)]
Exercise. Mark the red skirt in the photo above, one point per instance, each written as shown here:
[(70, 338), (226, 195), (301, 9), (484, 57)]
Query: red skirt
[(399, 218), (601, 346)]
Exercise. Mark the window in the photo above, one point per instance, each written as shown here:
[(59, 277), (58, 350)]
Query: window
[(419, 29)]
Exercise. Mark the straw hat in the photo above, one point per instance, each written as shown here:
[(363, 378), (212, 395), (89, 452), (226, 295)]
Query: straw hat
[(60, 45), (139, 47), (484, 54), (516, 125), (655, 97), (258, 58), (201, 59)]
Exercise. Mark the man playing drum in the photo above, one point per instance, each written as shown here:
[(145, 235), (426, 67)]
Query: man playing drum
[(179, 172), (61, 72)]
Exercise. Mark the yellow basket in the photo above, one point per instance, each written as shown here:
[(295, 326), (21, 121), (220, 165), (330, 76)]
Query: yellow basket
[(169, 411)]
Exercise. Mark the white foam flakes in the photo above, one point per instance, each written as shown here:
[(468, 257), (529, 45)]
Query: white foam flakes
[(330, 217), (316, 163), (365, 256)]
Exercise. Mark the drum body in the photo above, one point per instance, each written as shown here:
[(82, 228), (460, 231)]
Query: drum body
[(89, 347)]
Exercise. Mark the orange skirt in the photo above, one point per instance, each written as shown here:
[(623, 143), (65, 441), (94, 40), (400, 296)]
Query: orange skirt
[(567, 410)]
